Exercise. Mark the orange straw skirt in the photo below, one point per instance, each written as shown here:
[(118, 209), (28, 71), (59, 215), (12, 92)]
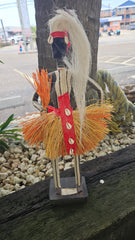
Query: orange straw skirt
[(47, 128)]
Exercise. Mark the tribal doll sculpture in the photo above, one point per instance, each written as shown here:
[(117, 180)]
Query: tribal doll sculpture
[(65, 125)]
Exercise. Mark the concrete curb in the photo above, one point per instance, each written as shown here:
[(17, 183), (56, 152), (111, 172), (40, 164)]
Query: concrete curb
[(10, 102)]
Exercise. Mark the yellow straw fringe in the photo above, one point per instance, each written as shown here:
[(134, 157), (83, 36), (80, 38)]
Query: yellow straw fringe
[(47, 128)]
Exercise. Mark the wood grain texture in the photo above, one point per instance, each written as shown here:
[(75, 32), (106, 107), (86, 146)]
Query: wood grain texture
[(108, 214)]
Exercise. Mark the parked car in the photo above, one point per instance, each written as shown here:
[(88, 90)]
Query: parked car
[(111, 33), (131, 27), (15, 39)]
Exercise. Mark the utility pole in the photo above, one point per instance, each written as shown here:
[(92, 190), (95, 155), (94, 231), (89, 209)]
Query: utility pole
[(25, 23), (3, 30), (22, 25)]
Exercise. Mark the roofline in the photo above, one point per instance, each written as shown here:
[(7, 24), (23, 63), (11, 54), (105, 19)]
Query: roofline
[(129, 6)]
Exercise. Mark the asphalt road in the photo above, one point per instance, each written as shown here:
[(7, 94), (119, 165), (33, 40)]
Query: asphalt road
[(14, 89), (115, 54)]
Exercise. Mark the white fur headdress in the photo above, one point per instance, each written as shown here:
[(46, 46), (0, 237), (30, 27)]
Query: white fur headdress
[(80, 62)]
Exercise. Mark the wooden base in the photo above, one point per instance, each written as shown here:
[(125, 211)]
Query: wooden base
[(69, 191)]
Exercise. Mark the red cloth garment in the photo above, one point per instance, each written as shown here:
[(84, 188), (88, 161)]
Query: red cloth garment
[(65, 112), (67, 123)]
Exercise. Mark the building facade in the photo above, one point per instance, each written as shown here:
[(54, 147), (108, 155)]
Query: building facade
[(125, 14), (110, 23)]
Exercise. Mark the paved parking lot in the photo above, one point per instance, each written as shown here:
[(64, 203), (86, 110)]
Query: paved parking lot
[(15, 91), (120, 60), (117, 55)]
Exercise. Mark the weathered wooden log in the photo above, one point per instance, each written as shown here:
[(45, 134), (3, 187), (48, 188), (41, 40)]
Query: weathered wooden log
[(129, 90), (108, 214)]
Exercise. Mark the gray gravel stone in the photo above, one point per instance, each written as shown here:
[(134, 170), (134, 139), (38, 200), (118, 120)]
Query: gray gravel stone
[(6, 154), (101, 154), (17, 150), (34, 157), (30, 179), (17, 187), (16, 180), (3, 175), (30, 170), (2, 160), (3, 170), (48, 166), (23, 166), (68, 165), (4, 192), (49, 172), (133, 130), (31, 151), (67, 158), (9, 187), (133, 124), (37, 179), (25, 159)]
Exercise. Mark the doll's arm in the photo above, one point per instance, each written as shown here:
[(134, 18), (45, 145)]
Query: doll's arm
[(35, 102), (96, 86)]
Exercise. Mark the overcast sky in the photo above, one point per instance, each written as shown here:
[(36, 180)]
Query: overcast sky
[(9, 12), (112, 3), (10, 17)]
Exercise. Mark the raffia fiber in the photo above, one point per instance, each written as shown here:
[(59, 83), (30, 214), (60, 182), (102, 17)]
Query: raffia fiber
[(42, 85), (47, 128)]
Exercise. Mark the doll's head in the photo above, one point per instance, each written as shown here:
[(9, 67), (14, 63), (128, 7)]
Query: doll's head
[(60, 43)]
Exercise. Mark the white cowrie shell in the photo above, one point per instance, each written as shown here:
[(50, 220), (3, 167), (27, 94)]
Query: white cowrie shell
[(66, 39), (67, 112), (71, 141), (50, 39), (68, 126), (71, 151)]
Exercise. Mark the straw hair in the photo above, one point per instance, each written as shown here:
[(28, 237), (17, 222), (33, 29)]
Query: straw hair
[(80, 62)]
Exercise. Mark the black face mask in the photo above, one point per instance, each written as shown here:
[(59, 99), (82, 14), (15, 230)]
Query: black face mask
[(59, 48)]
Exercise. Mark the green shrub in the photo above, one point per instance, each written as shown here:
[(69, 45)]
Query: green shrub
[(7, 132)]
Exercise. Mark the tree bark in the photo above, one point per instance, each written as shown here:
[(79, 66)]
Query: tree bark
[(88, 12), (108, 214)]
